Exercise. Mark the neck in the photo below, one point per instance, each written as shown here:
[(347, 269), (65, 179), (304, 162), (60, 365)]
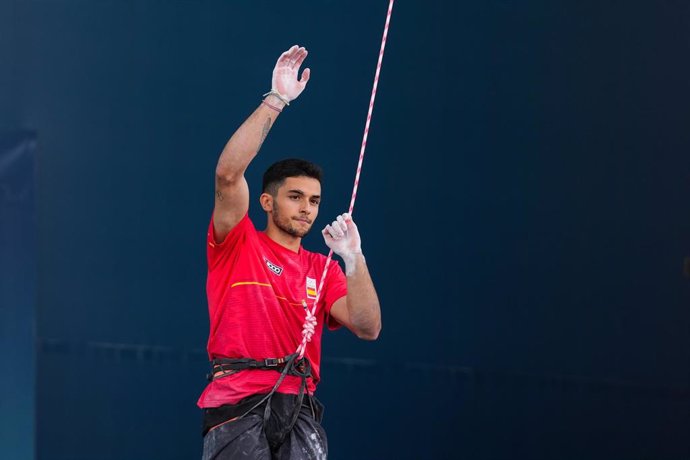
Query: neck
[(282, 238)]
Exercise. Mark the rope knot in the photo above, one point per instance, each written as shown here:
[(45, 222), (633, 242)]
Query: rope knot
[(308, 327)]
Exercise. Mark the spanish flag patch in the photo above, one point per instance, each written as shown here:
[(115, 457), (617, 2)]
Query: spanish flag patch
[(311, 288)]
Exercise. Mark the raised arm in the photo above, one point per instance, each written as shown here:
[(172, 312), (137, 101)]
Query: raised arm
[(359, 310), (232, 192)]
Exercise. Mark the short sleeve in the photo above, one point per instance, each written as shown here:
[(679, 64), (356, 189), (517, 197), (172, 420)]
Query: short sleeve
[(217, 251), (334, 289)]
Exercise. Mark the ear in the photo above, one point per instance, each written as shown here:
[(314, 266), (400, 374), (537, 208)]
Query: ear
[(266, 200)]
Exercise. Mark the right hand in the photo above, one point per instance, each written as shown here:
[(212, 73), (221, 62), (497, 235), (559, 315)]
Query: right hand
[(285, 73)]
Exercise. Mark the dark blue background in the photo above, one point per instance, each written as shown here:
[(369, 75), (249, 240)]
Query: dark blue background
[(523, 207), (17, 294)]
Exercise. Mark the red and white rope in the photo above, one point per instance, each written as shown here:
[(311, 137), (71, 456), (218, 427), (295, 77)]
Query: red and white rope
[(310, 321)]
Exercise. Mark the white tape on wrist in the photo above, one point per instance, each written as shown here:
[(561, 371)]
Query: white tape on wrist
[(278, 95)]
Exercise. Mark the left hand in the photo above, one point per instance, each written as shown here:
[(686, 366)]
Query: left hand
[(342, 236)]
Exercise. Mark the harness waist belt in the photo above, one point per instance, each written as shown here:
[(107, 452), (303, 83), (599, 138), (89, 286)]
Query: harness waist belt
[(220, 367)]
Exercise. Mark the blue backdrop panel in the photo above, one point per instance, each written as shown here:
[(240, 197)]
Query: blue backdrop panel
[(523, 207), (17, 295)]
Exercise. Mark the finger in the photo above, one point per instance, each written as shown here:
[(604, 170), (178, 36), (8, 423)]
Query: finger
[(351, 226), (343, 224), (297, 58), (336, 226), (305, 76), (286, 58), (295, 52), (336, 234), (329, 231), (302, 55), (283, 61), (287, 54), (349, 221)]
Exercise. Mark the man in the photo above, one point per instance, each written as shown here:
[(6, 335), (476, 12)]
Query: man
[(261, 285)]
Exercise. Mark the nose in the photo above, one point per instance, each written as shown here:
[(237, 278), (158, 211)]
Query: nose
[(307, 208)]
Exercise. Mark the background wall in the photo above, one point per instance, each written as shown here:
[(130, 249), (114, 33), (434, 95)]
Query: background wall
[(523, 207), (17, 294)]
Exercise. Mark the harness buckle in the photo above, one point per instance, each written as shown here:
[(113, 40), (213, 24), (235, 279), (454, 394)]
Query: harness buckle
[(272, 362)]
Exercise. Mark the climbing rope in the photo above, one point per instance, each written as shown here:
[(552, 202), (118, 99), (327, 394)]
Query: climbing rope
[(310, 320)]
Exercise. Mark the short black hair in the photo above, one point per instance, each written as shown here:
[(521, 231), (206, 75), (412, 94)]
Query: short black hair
[(276, 174)]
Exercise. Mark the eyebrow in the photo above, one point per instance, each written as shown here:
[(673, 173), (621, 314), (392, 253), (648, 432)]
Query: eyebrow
[(300, 192)]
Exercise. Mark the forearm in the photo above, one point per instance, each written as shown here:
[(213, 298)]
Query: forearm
[(246, 142), (362, 302)]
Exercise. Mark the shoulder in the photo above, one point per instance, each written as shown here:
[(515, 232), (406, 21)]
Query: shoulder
[(319, 260), (313, 257), (245, 225), (241, 236)]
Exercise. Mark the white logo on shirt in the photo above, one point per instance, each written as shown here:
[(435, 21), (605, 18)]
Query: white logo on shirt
[(273, 267)]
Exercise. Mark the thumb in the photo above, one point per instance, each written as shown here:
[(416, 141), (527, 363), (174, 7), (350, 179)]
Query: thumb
[(305, 76)]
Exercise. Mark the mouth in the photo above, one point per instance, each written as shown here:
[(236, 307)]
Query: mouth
[(304, 221)]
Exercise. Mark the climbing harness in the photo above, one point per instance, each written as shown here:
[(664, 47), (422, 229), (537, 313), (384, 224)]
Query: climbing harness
[(288, 365)]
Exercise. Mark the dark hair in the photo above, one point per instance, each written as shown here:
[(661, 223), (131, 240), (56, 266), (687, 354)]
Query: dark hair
[(276, 174)]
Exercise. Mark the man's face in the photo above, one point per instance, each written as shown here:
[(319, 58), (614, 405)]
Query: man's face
[(296, 205)]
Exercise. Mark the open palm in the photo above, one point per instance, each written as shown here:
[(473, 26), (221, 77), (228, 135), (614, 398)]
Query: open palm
[(285, 73)]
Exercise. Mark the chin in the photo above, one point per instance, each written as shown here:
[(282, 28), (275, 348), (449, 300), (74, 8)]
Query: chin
[(298, 230), (292, 230), (298, 233)]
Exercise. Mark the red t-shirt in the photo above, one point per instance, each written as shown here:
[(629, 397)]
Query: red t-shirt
[(255, 291)]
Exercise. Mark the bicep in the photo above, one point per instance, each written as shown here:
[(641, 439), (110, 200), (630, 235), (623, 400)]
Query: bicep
[(231, 205)]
